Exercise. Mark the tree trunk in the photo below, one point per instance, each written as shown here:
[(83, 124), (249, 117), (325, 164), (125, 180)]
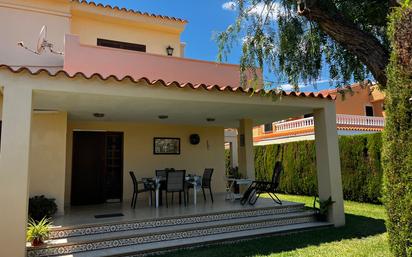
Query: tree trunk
[(358, 42)]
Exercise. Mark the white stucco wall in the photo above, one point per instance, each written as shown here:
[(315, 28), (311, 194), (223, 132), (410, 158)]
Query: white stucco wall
[(90, 28), (48, 157), (21, 21), (1, 105)]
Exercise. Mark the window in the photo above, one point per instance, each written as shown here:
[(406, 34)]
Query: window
[(268, 128), (121, 45), (369, 110)]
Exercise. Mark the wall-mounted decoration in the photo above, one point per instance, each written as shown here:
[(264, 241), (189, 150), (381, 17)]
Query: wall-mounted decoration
[(194, 139), (166, 145)]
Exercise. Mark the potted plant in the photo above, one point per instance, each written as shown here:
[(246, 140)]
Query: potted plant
[(321, 213), (38, 231), (40, 207)]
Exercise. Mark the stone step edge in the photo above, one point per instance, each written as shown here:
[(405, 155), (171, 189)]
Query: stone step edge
[(100, 228), (69, 248), (293, 215), (168, 229), (169, 249)]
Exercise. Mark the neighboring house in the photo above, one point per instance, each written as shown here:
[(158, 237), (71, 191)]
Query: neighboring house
[(74, 124), (359, 110)]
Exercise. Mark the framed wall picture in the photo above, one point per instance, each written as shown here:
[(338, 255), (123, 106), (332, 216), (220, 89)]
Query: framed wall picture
[(166, 145)]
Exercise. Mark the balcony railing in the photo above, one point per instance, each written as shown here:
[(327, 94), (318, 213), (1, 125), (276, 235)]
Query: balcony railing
[(357, 120), (341, 120), (294, 124)]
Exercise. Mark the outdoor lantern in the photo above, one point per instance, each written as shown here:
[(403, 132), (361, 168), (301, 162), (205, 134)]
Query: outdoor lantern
[(169, 50)]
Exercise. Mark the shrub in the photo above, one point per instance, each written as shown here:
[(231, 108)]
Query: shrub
[(360, 163), (41, 207), (228, 164), (397, 150)]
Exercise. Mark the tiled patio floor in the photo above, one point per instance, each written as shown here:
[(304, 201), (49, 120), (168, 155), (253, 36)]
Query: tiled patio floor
[(77, 215)]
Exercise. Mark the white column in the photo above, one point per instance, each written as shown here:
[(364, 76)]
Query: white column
[(328, 162), (245, 148), (14, 169), (232, 138), (233, 153)]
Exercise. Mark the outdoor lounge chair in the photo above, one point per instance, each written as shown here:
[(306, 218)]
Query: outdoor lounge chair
[(257, 188), (147, 187)]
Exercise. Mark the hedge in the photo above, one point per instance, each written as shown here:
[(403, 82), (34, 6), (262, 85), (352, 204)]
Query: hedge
[(397, 137), (360, 163)]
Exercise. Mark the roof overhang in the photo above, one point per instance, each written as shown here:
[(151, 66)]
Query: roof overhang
[(143, 101)]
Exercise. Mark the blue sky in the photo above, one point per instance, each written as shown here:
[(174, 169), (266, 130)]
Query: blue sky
[(205, 19)]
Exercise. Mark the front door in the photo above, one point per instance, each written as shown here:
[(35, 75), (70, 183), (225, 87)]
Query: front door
[(97, 167)]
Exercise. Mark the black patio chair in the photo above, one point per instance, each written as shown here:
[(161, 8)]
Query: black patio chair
[(147, 187), (162, 175), (175, 183), (257, 188), (206, 184)]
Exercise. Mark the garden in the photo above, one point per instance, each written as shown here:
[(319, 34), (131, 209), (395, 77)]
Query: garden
[(364, 235)]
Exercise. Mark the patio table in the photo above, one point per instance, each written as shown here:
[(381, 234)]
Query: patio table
[(230, 194), (193, 180)]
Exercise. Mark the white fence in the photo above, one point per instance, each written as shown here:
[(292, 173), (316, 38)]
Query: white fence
[(341, 119), (357, 120), (294, 124)]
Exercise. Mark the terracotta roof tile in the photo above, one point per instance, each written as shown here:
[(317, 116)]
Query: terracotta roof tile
[(170, 84), (360, 128), (129, 10)]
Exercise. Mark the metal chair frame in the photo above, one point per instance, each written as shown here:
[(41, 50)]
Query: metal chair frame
[(183, 189), (257, 188), (136, 191)]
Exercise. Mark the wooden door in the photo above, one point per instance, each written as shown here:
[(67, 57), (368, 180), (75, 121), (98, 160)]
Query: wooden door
[(88, 167), (97, 170), (113, 177)]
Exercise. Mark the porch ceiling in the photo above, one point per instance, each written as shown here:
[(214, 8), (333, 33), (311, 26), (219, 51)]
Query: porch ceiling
[(81, 107)]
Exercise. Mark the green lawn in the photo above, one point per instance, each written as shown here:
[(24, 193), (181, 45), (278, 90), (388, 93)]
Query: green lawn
[(364, 235)]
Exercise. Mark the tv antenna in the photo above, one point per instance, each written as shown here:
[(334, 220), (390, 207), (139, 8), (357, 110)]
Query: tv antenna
[(42, 44)]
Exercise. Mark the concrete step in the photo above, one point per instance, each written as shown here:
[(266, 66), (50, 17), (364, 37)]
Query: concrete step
[(132, 239), (102, 228), (165, 246), (168, 229)]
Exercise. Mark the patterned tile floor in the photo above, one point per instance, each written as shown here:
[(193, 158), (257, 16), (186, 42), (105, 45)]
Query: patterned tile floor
[(76, 215)]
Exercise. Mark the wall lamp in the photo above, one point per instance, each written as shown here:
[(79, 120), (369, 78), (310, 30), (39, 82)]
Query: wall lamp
[(169, 50)]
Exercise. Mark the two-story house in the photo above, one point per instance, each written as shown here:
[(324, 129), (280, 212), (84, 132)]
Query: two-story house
[(103, 91), (359, 110)]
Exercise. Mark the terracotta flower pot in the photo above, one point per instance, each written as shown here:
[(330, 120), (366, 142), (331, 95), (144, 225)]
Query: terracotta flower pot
[(37, 242)]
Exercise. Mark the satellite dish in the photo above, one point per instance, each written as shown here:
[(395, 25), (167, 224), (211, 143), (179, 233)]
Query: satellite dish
[(42, 43)]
